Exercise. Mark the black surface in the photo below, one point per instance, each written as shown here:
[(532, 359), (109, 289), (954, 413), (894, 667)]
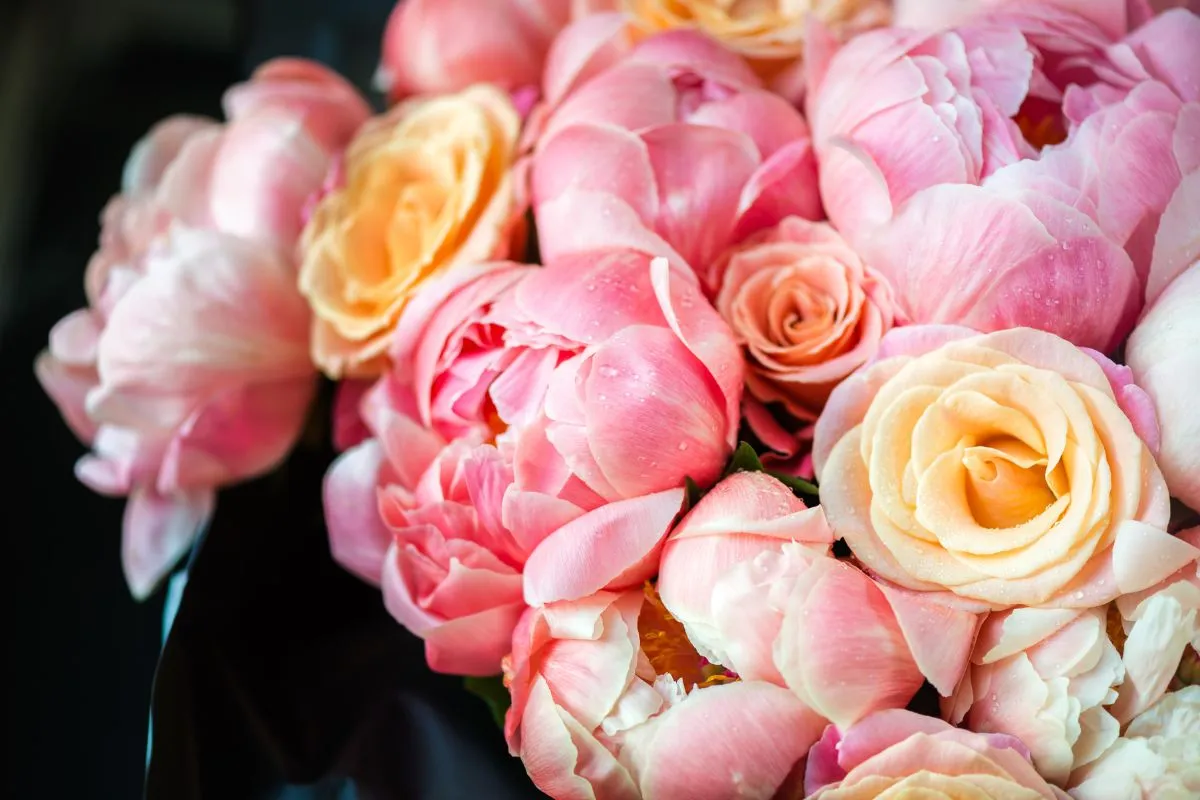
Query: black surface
[(282, 669), (81, 652)]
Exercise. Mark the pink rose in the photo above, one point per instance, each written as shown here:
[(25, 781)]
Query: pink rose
[(1165, 359), (610, 701), (439, 46), (676, 143), (898, 752), (1012, 239), (806, 311), (996, 470), (749, 577), (188, 371), (1157, 758)]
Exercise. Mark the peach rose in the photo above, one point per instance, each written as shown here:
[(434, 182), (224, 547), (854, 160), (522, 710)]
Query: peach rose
[(769, 33), (1000, 467), (428, 186), (805, 310)]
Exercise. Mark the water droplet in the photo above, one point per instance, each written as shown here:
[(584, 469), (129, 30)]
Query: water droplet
[(1079, 595), (591, 287), (683, 446), (609, 372)]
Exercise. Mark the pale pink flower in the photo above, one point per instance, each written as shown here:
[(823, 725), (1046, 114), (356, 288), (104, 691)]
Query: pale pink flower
[(1157, 758), (1039, 239), (1164, 355), (1049, 678), (438, 46), (187, 372), (749, 576), (674, 142), (599, 712), (897, 752)]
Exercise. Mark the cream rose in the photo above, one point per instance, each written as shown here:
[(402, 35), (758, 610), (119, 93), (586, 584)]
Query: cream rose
[(1000, 467), (770, 33), (805, 310), (428, 186)]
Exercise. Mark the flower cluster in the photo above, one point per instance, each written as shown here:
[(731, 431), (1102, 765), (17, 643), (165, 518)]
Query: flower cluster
[(935, 265)]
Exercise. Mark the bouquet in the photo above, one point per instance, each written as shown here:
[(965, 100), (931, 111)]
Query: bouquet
[(756, 400)]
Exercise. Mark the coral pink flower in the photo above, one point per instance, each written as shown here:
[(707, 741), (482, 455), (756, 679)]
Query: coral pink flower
[(649, 391), (610, 701), (1165, 359), (806, 311), (1157, 758), (897, 752), (1019, 229), (748, 575), (452, 544), (677, 137), (186, 371), (438, 46), (1006, 469)]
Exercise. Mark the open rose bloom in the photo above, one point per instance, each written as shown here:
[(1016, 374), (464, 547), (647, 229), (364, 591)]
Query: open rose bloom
[(763, 399)]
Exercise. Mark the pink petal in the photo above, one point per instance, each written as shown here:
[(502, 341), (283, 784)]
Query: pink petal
[(939, 637), (597, 158), (675, 754), (1143, 555), (157, 532), (358, 538), (700, 172), (565, 760), (840, 648), (581, 51), (605, 548), (653, 415)]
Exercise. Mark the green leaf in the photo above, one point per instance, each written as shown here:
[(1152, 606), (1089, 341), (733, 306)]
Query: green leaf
[(795, 484), (492, 691), (744, 460)]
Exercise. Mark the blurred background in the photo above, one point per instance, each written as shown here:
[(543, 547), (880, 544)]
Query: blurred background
[(80, 82)]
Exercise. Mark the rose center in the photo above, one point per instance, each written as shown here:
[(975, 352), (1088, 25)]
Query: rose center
[(669, 651), (1006, 483)]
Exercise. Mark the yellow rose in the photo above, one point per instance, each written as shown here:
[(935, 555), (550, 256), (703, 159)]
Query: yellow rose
[(770, 33), (428, 186), (1000, 467)]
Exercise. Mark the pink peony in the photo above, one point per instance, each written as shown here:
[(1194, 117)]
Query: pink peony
[(1157, 758), (438, 46), (675, 142), (649, 389), (188, 369), (452, 534), (899, 753), (610, 701), (1047, 677), (1018, 228), (749, 576)]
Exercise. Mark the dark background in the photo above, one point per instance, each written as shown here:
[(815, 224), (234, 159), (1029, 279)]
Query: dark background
[(282, 672)]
